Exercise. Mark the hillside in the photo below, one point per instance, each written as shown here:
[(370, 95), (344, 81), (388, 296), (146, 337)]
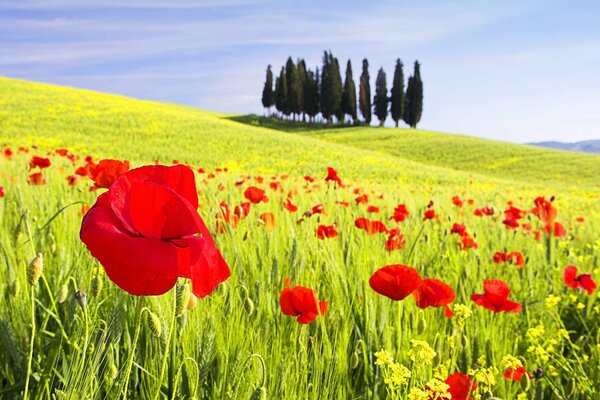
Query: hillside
[(586, 146), (114, 126)]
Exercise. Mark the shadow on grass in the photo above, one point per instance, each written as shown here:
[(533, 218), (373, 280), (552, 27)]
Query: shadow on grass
[(284, 125)]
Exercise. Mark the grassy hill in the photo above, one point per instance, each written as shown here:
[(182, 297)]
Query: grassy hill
[(464, 153), (114, 126)]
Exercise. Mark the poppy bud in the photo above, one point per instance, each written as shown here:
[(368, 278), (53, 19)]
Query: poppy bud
[(193, 302), (249, 305), (421, 326), (538, 373), (182, 299), (63, 292), (34, 271), (13, 288), (525, 382), (18, 233), (81, 298), (96, 286), (354, 360), (154, 324), (259, 394)]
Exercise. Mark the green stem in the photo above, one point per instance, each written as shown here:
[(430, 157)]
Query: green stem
[(163, 366), (138, 312), (30, 358)]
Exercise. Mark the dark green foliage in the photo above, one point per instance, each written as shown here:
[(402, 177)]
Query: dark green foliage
[(380, 101), (311, 95), (397, 97), (301, 83), (349, 94), (414, 98), (281, 93), (293, 88), (364, 97), (268, 97), (331, 88)]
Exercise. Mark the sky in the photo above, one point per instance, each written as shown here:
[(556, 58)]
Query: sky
[(517, 71)]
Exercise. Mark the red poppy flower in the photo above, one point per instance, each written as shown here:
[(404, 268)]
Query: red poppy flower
[(291, 207), (461, 386), (499, 257), (326, 231), (343, 203), (513, 257), (583, 281), (106, 172), (143, 230), (362, 199), (512, 215), (242, 210), (435, 293), (371, 227), (308, 178), (459, 229), (515, 374), (372, 209), (36, 179), (72, 179), (318, 209), (301, 302), (332, 175), (255, 195), (2, 193), (558, 230), (395, 241), (479, 212), (457, 201), (395, 281), (276, 186), (429, 214), (268, 219), (495, 297), (400, 213), (39, 162), (8, 153), (467, 242)]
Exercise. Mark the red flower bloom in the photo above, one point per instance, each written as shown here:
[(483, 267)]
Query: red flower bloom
[(495, 297), (395, 281), (363, 199), (106, 172), (371, 227), (429, 214), (512, 215), (242, 210), (72, 179), (308, 178), (2, 193), (301, 302), (435, 293), (513, 257), (467, 242), (39, 162), (255, 195), (36, 179), (400, 213), (457, 201), (461, 386), (326, 231), (332, 175), (479, 212), (583, 281), (291, 207), (268, 219), (514, 374), (395, 241), (8, 153), (372, 209), (143, 230), (459, 229)]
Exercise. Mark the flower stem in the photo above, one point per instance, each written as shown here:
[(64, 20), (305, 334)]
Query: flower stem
[(138, 312), (163, 366), (30, 358)]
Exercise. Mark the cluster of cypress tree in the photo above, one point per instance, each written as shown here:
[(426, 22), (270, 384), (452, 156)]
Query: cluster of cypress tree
[(299, 92)]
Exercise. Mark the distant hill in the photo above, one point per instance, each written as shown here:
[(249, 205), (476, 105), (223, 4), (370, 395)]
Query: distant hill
[(586, 146)]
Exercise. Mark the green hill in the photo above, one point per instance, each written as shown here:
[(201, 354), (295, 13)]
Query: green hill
[(142, 131)]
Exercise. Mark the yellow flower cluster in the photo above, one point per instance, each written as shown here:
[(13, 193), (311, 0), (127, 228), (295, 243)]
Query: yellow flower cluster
[(510, 361), (552, 301), (399, 375), (535, 332), (421, 352), (462, 312), (438, 389), (383, 357)]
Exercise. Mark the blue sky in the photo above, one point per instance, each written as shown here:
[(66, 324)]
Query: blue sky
[(517, 71)]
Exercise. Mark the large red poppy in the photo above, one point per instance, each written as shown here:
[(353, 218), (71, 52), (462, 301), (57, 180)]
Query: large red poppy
[(395, 281), (495, 297), (435, 293), (143, 230), (332, 175), (326, 231), (461, 386), (583, 281), (255, 195), (301, 302), (371, 227), (39, 162), (400, 213)]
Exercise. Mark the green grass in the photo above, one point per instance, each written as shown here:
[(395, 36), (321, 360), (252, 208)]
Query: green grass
[(86, 355)]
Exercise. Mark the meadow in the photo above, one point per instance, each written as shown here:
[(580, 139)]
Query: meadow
[(237, 343)]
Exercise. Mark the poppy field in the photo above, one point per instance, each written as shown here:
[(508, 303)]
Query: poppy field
[(155, 251)]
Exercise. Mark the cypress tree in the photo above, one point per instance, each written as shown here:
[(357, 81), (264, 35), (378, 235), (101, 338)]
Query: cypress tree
[(364, 96), (337, 90), (292, 83), (281, 93), (326, 103), (268, 98), (301, 75), (380, 101), (311, 94), (318, 90), (397, 97), (349, 94), (414, 98)]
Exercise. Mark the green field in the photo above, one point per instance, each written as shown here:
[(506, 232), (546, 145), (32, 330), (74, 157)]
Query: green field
[(91, 355)]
